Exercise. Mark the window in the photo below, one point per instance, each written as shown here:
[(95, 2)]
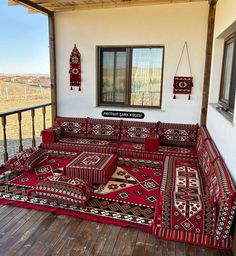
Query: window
[(228, 77), (130, 76)]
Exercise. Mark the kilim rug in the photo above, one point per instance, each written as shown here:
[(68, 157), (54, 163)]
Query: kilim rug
[(128, 198)]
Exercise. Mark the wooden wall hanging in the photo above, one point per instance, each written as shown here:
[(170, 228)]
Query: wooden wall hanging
[(183, 84), (75, 69)]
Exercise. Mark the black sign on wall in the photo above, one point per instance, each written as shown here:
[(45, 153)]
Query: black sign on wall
[(123, 114)]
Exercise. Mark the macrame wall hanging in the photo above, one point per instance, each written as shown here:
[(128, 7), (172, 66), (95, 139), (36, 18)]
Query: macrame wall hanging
[(183, 84), (75, 69)]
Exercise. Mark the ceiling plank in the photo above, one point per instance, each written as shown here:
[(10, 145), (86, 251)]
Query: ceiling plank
[(12, 3), (33, 5), (56, 5)]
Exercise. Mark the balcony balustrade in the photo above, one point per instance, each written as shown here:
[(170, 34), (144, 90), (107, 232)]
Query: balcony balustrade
[(21, 128)]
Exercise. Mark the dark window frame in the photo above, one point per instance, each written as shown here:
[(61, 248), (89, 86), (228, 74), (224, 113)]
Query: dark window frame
[(128, 49), (228, 105)]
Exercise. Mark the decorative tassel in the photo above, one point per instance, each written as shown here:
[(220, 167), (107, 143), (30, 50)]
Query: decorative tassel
[(79, 89), (71, 88), (189, 97), (174, 97)]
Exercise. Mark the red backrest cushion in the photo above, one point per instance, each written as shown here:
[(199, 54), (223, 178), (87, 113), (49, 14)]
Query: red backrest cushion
[(137, 131), (226, 202), (178, 134), (103, 129), (203, 135), (72, 127), (207, 156)]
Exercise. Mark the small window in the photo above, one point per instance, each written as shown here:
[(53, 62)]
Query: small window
[(228, 77), (130, 76)]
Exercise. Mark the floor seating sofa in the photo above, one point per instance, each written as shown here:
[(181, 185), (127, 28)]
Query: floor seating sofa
[(196, 202), (127, 138)]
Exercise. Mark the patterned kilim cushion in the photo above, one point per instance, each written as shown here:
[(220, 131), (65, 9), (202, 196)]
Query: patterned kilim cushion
[(226, 201), (203, 135), (137, 131), (72, 127), (103, 129), (207, 156), (96, 168), (85, 141), (178, 134), (63, 189), (185, 207), (26, 159)]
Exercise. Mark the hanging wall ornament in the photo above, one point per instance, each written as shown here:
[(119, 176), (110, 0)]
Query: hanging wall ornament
[(183, 84), (75, 68)]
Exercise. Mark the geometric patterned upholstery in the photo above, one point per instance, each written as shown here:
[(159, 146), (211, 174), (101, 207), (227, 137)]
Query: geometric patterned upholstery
[(207, 155), (26, 159), (203, 135), (137, 131), (63, 189), (225, 197), (220, 186), (103, 129), (72, 127), (178, 134), (95, 168)]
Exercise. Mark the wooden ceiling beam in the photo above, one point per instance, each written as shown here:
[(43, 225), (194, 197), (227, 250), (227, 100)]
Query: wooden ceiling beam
[(212, 2), (31, 5), (102, 4)]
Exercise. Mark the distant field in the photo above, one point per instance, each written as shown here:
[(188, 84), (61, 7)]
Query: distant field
[(15, 96)]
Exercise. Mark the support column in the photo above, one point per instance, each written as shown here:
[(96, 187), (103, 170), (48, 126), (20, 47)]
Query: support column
[(52, 65), (207, 71)]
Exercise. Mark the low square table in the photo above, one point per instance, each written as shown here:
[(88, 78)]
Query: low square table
[(96, 168)]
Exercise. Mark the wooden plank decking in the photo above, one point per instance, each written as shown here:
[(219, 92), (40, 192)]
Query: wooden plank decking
[(31, 233)]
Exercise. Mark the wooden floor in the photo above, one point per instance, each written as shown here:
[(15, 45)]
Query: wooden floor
[(28, 232)]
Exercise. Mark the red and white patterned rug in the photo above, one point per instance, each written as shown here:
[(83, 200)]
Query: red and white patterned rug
[(128, 198)]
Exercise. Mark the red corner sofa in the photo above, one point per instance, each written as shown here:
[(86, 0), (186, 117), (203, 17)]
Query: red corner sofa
[(126, 138), (196, 202)]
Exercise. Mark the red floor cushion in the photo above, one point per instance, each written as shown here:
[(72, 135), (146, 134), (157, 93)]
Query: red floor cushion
[(26, 159), (63, 189)]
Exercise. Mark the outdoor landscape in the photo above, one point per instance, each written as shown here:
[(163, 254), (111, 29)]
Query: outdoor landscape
[(22, 91)]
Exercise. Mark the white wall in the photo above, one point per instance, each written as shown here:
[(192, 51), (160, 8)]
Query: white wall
[(222, 130), (168, 24)]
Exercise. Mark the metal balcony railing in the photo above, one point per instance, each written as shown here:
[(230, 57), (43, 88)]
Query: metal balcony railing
[(21, 128)]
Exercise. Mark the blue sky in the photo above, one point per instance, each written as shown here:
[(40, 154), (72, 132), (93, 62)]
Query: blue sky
[(24, 45)]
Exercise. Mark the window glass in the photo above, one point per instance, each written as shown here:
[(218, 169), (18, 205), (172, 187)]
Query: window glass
[(228, 77), (130, 76), (146, 76)]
